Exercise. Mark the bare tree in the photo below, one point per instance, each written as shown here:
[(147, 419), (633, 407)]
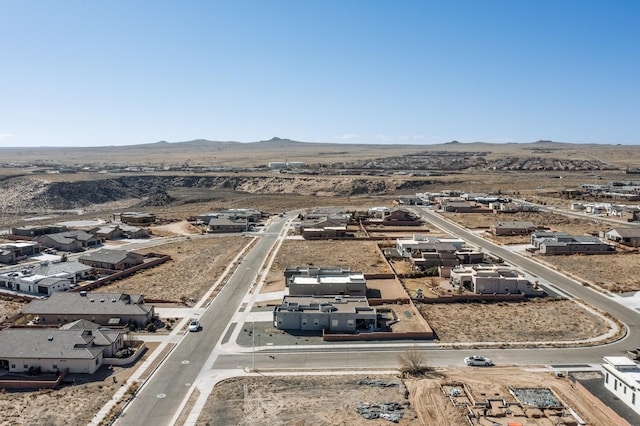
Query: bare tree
[(412, 362)]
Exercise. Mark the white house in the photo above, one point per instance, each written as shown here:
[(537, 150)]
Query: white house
[(622, 378)]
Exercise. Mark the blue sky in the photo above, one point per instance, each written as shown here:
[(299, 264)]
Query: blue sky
[(95, 73)]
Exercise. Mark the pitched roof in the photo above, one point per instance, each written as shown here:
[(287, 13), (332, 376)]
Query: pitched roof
[(47, 343), (627, 232), (69, 303), (108, 256)]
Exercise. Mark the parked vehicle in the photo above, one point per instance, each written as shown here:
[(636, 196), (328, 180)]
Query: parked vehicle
[(476, 360)]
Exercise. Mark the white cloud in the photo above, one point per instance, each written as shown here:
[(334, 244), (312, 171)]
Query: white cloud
[(4, 136)]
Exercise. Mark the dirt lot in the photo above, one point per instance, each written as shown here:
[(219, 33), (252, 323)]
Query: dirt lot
[(332, 400), (540, 320), (614, 272), (197, 263), (360, 256), (10, 307), (553, 221)]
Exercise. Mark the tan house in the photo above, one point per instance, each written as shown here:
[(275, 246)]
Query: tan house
[(79, 348), (114, 260), (106, 309), (342, 314), (72, 241), (513, 228)]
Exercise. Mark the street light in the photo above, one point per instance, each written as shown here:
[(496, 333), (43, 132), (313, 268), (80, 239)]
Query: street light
[(253, 343)]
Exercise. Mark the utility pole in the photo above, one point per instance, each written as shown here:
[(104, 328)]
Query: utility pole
[(253, 343)]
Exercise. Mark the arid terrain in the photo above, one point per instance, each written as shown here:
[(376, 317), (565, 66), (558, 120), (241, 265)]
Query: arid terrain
[(48, 196), (333, 400)]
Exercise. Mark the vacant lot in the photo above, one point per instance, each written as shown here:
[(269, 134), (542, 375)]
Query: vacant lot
[(332, 400), (10, 307), (360, 256), (553, 221), (540, 320), (614, 272), (197, 263)]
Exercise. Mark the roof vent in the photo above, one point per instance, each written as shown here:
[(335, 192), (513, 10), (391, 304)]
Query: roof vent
[(50, 338), (91, 300), (113, 300), (102, 300)]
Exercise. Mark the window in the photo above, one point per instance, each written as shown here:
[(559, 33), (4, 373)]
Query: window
[(334, 323), (606, 378), (350, 323), (13, 366), (55, 366), (316, 322), (25, 366), (633, 398), (304, 321)]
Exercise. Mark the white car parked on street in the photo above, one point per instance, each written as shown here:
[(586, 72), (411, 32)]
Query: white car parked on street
[(476, 360)]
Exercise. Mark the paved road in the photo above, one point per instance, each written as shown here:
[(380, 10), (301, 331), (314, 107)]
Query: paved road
[(597, 299), (381, 356), (159, 399)]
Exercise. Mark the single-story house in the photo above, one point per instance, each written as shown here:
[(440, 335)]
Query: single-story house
[(114, 232), (513, 228), (11, 253), (115, 260), (342, 314), (626, 236), (562, 243), (348, 283), (405, 246), (137, 218), (106, 309), (313, 271), (339, 231), (80, 348), (36, 231), (71, 241), (226, 224), (492, 280)]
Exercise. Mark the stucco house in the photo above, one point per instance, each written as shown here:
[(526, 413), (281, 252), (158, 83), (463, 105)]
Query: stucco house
[(626, 236), (36, 231), (11, 253), (226, 224), (555, 243), (348, 283), (513, 228), (137, 218), (492, 279), (622, 378), (72, 241), (80, 348), (106, 309), (114, 260), (341, 314)]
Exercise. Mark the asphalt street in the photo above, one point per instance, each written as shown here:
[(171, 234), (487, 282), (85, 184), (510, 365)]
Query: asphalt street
[(158, 400)]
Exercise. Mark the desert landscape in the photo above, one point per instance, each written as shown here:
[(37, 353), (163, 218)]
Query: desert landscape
[(198, 259)]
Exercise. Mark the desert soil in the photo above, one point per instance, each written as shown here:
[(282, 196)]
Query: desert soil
[(360, 256), (539, 320), (332, 400), (614, 272), (196, 264), (553, 221)]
